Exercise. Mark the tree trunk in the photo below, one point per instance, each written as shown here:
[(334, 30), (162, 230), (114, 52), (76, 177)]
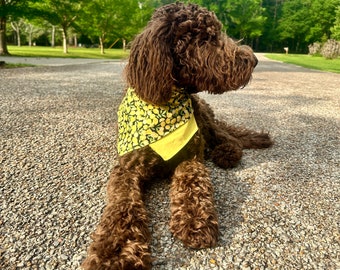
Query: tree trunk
[(124, 44), (53, 36), (101, 42), (30, 34), (3, 42), (75, 40), (65, 40), (16, 29), (30, 39)]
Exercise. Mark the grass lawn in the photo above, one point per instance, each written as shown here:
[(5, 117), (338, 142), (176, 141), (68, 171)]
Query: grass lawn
[(308, 61), (40, 51)]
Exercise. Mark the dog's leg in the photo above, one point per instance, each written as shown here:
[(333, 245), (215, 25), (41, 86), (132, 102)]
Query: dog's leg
[(193, 216), (224, 149), (121, 238), (248, 138), (224, 141), (230, 140)]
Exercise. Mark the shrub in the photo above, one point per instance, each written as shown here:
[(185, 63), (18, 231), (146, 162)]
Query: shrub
[(331, 49), (314, 48)]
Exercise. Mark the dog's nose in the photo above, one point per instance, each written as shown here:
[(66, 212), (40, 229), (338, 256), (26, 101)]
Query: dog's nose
[(256, 60)]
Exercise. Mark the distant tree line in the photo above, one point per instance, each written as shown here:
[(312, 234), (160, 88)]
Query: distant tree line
[(266, 25)]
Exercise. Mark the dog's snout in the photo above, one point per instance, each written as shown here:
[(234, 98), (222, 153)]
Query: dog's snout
[(256, 60)]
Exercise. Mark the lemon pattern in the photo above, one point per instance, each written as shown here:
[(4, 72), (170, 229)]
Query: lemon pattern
[(141, 123)]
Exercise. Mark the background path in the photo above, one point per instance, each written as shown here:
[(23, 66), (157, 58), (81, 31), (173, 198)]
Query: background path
[(279, 209), (48, 61)]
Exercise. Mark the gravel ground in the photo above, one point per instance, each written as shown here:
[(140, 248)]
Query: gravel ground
[(279, 209)]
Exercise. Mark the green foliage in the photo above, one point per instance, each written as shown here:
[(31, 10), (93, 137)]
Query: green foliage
[(11, 9), (335, 30), (245, 18), (111, 18), (294, 21), (14, 8), (62, 13), (59, 12), (322, 16), (267, 25), (304, 22), (273, 12)]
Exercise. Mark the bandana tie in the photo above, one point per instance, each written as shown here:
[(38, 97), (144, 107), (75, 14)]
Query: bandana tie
[(166, 129)]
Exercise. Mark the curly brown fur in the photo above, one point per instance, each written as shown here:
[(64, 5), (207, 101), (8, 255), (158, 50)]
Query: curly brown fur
[(181, 47), (193, 216), (122, 237)]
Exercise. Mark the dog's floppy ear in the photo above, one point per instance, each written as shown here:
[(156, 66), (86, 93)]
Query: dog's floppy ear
[(150, 66)]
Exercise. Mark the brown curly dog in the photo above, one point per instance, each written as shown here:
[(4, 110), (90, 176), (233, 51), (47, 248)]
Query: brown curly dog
[(166, 130)]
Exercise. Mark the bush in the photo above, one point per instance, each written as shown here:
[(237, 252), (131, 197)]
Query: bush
[(331, 49), (314, 48)]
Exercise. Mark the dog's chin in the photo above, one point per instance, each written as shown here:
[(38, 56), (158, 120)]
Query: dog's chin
[(227, 88), (217, 91)]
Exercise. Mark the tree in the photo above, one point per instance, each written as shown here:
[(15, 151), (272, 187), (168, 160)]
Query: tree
[(322, 15), (104, 19), (62, 13), (34, 29), (304, 22), (29, 30), (270, 37), (294, 24), (14, 9), (17, 26), (335, 30), (244, 19)]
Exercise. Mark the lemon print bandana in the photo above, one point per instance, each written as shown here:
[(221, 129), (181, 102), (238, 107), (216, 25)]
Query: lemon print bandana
[(166, 129)]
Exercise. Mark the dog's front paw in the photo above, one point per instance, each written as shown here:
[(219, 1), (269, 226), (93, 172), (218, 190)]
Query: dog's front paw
[(121, 239), (110, 254), (193, 215), (226, 155), (196, 229)]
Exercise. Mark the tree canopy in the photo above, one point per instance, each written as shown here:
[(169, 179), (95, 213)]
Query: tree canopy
[(266, 25), (11, 9), (107, 19)]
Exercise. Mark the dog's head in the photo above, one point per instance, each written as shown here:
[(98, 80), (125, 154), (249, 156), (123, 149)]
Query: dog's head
[(183, 46)]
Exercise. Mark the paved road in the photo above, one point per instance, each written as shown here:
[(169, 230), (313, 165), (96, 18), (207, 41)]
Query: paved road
[(47, 61), (279, 209), (265, 65)]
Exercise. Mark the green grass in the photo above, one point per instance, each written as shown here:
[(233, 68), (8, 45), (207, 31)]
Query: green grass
[(308, 61), (39, 51)]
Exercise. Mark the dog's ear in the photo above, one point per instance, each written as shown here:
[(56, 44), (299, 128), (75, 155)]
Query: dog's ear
[(150, 67)]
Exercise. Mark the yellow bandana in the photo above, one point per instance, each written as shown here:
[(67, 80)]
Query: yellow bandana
[(166, 129)]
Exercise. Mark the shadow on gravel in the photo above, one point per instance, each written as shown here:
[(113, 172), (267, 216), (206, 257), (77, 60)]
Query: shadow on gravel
[(229, 192)]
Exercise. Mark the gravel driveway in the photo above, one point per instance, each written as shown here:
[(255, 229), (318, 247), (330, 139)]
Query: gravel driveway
[(279, 209)]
